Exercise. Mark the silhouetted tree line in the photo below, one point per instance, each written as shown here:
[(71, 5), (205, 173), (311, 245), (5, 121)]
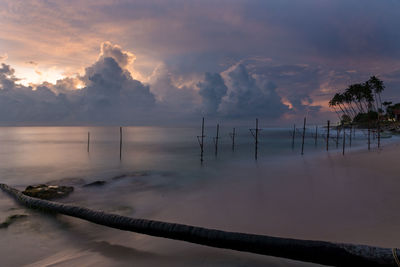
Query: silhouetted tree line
[(361, 103)]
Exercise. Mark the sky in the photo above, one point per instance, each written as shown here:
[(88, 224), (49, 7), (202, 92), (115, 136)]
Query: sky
[(110, 62)]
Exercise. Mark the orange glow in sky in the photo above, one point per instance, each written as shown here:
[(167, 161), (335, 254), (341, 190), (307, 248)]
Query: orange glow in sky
[(37, 76)]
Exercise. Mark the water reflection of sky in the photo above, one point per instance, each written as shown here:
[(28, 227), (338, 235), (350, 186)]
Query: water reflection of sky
[(328, 197)]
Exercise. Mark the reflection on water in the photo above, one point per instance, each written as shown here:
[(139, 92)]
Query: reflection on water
[(30, 154), (160, 177)]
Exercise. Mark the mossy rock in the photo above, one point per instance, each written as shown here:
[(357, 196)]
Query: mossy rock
[(48, 192), (11, 219)]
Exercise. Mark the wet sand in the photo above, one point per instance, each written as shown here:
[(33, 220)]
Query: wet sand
[(351, 198)]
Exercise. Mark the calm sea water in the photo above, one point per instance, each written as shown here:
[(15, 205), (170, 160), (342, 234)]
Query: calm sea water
[(39, 154), (159, 177)]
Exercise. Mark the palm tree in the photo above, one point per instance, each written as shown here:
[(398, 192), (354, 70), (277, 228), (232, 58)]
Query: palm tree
[(333, 103), (356, 92), (367, 95), (348, 98), (378, 87)]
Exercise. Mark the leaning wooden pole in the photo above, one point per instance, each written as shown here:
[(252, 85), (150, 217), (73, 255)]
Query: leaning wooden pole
[(304, 133), (320, 252)]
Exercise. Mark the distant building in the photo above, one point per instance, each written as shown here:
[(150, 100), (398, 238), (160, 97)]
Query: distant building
[(396, 114)]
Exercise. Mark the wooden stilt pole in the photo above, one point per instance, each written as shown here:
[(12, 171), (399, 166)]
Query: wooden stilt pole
[(351, 132), (316, 135), (232, 135), (255, 135), (379, 134), (304, 133), (200, 139), (369, 137), (256, 144), (337, 136), (327, 137), (120, 143), (344, 139), (88, 141), (293, 135), (216, 141)]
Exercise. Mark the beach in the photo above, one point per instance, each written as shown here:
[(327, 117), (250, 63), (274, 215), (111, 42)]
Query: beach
[(318, 196)]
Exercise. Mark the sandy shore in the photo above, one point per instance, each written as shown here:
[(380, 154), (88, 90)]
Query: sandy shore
[(351, 198)]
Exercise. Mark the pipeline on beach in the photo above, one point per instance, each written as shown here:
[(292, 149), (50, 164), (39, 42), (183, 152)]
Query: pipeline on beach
[(321, 252)]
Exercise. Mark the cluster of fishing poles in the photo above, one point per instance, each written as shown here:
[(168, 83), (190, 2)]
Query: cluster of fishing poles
[(342, 132), (200, 138)]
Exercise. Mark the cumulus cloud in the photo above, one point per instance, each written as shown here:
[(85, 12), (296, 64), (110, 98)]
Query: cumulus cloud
[(123, 58), (241, 95), (212, 89), (174, 101), (309, 50), (20, 103), (110, 95), (107, 93), (7, 78)]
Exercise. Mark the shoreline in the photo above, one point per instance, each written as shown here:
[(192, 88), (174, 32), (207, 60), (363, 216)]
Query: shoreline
[(328, 197)]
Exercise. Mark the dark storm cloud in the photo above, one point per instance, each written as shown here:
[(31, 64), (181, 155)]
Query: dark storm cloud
[(295, 52), (247, 96), (331, 28)]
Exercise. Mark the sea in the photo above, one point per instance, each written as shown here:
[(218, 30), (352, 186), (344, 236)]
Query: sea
[(158, 173)]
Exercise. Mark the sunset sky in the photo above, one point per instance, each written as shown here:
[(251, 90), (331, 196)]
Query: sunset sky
[(155, 62)]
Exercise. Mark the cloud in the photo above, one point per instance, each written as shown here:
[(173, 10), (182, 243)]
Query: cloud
[(106, 92), (111, 95), (123, 58), (250, 95), (3, 57), (207, 34), (212, 89), (7, 78), (19, 103), (307, 48), (174, 101)]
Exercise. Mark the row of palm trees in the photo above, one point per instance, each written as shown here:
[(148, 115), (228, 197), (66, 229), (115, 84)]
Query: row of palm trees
[(359, 98)]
